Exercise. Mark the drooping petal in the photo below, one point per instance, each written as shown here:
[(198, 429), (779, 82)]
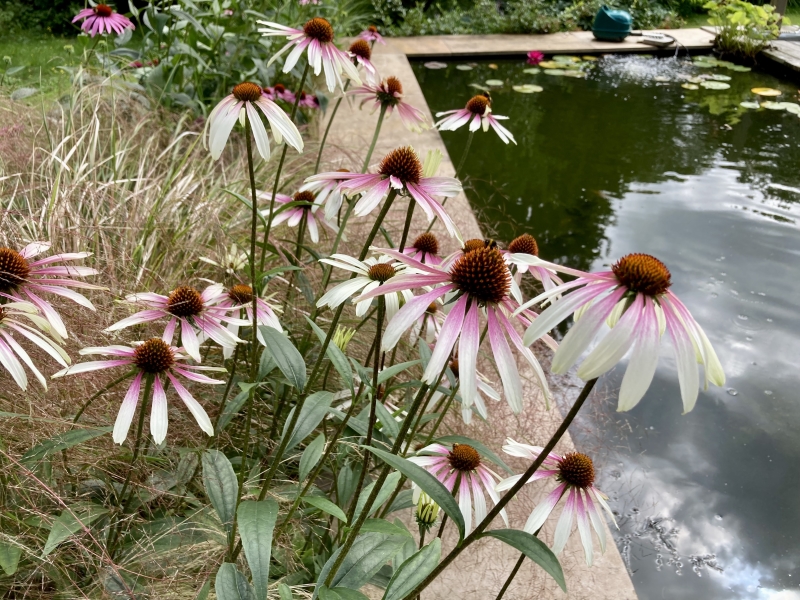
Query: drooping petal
[(506, 365), (158, 412), (198, 412), (543, 510), (451, 328), (126, 411), (564, 525)]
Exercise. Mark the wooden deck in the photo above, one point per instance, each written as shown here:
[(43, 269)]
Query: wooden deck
[(786, 54)]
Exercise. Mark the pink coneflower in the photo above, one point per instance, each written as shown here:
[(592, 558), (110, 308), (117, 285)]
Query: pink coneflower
[(24, 279), (635, 300), (279, 92), (371, 34), (388, 94), (327, 193), (462, 466), (308, 100), (574, 473), (526, 244), (478, 113), (294, 216), (479, 279), (425, 249), (400, 170), (361, 52), (535, 57), (187, 308), (102, 19), (307, 2), (241, 104), (317, 36), (371, 274), (239, 298), (22, 318), (152, 358)]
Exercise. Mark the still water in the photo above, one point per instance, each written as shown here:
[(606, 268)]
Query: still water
[(627, 160)]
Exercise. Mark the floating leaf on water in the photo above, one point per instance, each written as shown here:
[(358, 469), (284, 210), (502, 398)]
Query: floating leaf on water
[(479, 86), (532, 71), (715, 85), (492, 66), (705, 58), (752, 105), (765, 91), (589, 58), (556, 72), (792, 107), (494, 82), (645, 56), (718, 77), (690, 86), (434, 64), (575, 74), (661, 78), (527, 88), (550, 64), (695, 80), (565, 58), (463, 67), (725, 63), (740, 69), (773, 105), (704, 65)]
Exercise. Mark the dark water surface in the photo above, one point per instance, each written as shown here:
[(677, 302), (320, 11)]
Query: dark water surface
[(619, 163)]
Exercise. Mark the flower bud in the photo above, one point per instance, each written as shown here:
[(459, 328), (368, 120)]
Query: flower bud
[(427, 512)]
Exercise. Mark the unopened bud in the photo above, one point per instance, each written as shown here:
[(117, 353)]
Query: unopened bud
[(427, 512), (342, 337)]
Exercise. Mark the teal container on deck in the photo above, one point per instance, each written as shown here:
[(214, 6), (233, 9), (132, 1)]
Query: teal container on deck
[(611, 25)]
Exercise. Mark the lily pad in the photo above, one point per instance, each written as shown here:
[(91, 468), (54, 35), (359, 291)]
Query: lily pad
[(495, 82), (589, 58), (793, 108), (478, 86), (704, 65), (751, 105), (704, 58), (565, 58), (463, 67), (527, 88), (434, 64), (715, 85), (556, 72), (661, 78), (765, 91), (550, 64), (773, 105), (695, 80), (717, 77), (725, 63), (690, 86), (492, 66), (740, 69), (532, 71), (575, 74)]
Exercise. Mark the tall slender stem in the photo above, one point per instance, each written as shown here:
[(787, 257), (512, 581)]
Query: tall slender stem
[(328, 126), (374, 138), (513, 574), (409, 215), (479, 529)]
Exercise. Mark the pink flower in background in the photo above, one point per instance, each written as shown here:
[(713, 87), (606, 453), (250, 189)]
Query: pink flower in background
[(327, 193), (535, 57), (239, 297), (389, 95), (102, 19), (294, 216), (526, 244), (478, 113), (362, 55), (153, 358), (279, 92), (462, 467), (574, 473), (23, 279), (424, 249), (370, 34), (634, 299), (308, 100), (307, 2), (316, 36), (227, 12)]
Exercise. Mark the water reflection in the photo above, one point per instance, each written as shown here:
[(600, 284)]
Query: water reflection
[(618, 163)]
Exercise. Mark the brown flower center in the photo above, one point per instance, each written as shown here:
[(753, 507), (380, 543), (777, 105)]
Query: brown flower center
[(103, 10), (154, 356), (319, 29), (524, 244), (402, 163), (390, 91), (482, 274), (247, 92), (464, 458), (454, 366), (432, 308), (185, 301), (304, 197), (14, 270), (576, 469), (279, 88), (241, 294), (427, 243), (381, 272), (642, 273), (372, 29), (471, 245), (361, 49), (477, 104)]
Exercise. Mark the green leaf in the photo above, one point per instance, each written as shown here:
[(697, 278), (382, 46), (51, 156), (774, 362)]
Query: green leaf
[(285, 592), (9, 557), (313, 411), (413, 571), (231, 408), (336, 356), (383, 526), (62, 441), (327, 506), (288, 359), (481, 448), (394, 370), (71, 521), (533, 548), (266, 364), (390, 427), (386, 490), (428, 483), (249, 206), (343, 593), (204, 591), (221, 485), (256, 523), (369, 553), (231, 584), (311, 456)]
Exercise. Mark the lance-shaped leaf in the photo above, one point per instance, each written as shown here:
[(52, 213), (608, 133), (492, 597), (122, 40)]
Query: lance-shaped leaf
[(311, 456), (232, 585), (286, 356), (221, 485), (61, 441), (533, 548), (256, 523), (327, 506), (71, 521), (336, 356), (314, 410), (413, 571)]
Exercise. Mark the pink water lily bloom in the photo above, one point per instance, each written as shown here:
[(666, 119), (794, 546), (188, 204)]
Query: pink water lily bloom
[(295, 215), (187, 309), (526, 244), (241, 105), (102, 19), (574, 473), (478, 282), (535, 57), (388, 94), (478, 113), (157, 359), (461, 466), (23, 279), (634, 299), (361, 52), (402, 171), (317, 37), (239, 298), (371, 34)]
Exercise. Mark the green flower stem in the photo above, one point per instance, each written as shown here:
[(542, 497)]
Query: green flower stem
[(278, 172), (100, 392), (374, 138), (409, 215), (225, 394), (479, 529), (301, 231), (442, 414), (328, 127), (458, 171), (513, 574)]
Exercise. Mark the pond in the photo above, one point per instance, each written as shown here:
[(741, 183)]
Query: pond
[(624, 158)]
